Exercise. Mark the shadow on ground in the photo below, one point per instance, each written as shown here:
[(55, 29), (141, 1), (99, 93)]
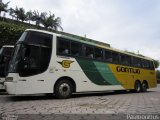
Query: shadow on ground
[(74, 96)]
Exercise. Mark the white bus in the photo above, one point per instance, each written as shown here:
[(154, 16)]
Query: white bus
[(5, 55), (45, 62)]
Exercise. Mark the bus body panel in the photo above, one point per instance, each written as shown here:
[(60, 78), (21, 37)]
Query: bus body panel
[(83, 82), (44, 83)]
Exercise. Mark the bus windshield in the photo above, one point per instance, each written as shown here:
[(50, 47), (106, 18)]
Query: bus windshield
[(5, 55), (1, 51), (14, 59), (29, 54)]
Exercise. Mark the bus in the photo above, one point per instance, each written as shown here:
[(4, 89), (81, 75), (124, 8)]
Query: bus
[(5, 55), (46, 62)]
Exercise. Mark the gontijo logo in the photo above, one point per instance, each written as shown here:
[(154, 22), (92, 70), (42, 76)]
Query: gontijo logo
[(66, 63), (128, 70)]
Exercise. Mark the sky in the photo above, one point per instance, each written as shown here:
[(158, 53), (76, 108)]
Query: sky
[(132, 25)]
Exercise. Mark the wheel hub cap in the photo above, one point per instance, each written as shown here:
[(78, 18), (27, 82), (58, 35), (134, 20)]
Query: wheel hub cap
[(64, 89)]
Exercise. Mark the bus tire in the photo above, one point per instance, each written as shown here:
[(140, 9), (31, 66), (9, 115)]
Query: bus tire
[(144, 86), (137, 86), (63, 89)]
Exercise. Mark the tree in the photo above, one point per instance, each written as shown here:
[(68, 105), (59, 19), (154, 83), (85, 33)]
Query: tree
[(29, 15), (36, 17), (16, 13), (12, 12), (3, 7), (21, 14), (57, 24), (46, 21), (50, 21)]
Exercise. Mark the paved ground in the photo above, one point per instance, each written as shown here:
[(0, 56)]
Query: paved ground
[(108, 103)]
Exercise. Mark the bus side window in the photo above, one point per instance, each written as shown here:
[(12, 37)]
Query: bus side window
[(108, 56), (137, 62), (98, 53), (128, 60), (63, 46), (122, 59), (115, 57), (146, 64), (151, 65), (143, 63), (89, 52), (76, 49)]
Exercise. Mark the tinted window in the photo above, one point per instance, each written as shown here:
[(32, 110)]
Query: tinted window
[(33, 54), (123, 59), (63, 46), (108, 56), (89, 52), (45, 53), (145, 64), (35, 60), (36, 38), (8, 51), (115, 57), (128, 60), (76, 49), (98, 53), (151, 65), (136, 62)]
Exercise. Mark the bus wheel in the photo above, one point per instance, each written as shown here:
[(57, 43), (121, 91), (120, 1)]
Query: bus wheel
[(137, 87), (63, 89), (144, 86)]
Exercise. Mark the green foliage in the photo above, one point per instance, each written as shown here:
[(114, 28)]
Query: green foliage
[(10, 32), (39, 18), (49, 21), (29, 15), (3, 7), (22, 15)]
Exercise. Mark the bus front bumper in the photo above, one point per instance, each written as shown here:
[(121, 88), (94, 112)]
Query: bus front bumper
[(10, 87)]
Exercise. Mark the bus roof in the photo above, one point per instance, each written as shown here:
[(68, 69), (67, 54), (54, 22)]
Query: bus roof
[(74, 37), (131, 54), (91, 42)]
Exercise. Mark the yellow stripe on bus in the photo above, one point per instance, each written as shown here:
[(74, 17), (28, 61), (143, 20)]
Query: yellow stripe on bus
[(128, 75)]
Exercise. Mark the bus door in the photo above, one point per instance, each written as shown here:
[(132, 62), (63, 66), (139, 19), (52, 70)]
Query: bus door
[(35, 60)]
